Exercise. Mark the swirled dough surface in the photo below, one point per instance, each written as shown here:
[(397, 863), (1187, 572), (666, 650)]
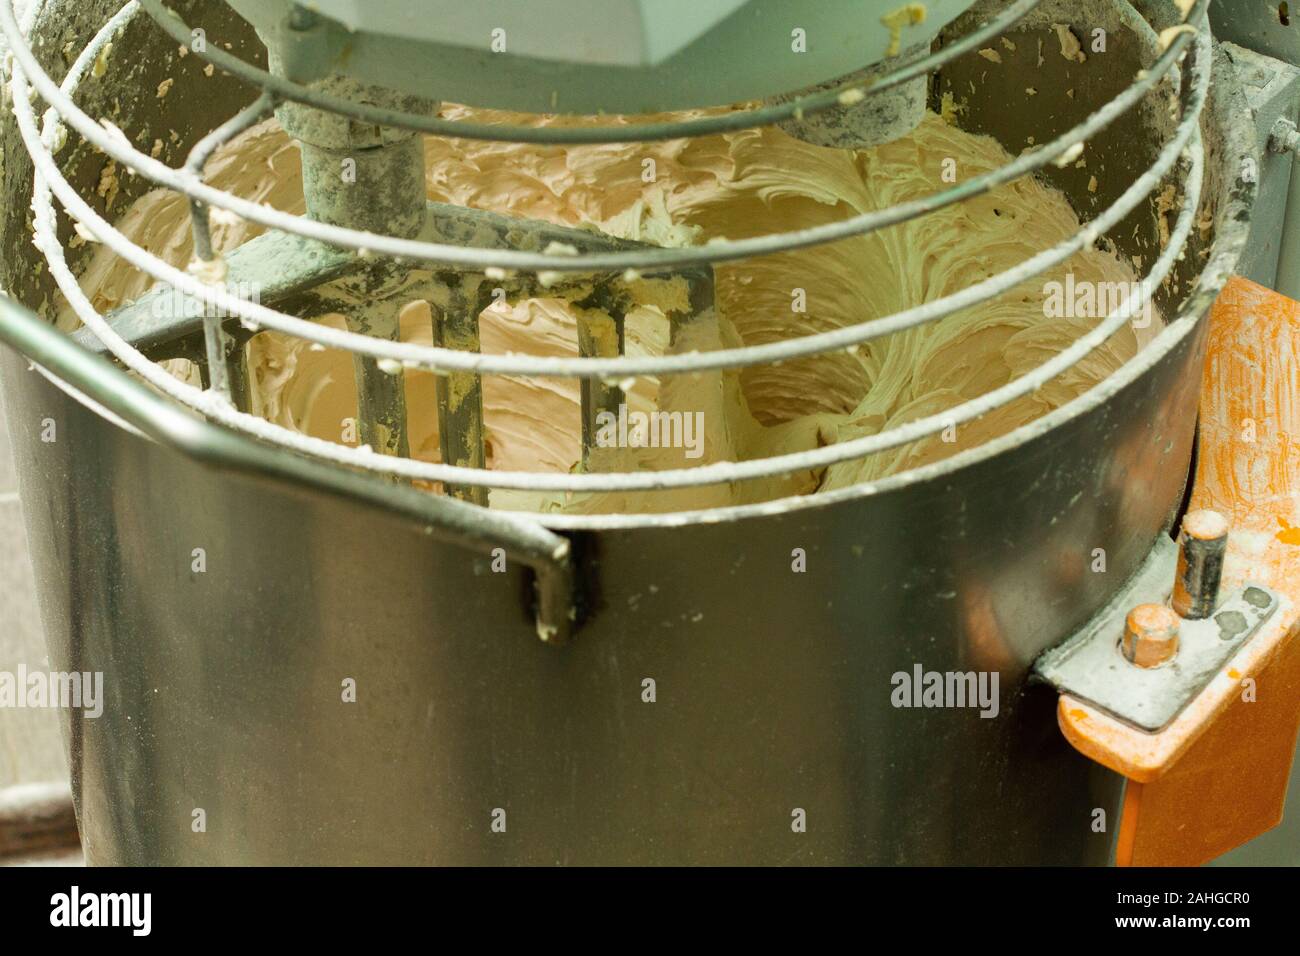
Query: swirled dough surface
[(687, 192)]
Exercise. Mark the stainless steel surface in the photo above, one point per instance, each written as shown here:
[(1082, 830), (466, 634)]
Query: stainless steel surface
[(768, 698), (31, 750), (180, 31), (1091, 665), (592, 56), (772, 687)]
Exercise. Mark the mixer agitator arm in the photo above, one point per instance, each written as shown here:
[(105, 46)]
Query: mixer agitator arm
[(313, 279), (287, 270)]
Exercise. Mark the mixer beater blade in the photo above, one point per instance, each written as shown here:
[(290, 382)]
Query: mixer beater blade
[(312, 279)]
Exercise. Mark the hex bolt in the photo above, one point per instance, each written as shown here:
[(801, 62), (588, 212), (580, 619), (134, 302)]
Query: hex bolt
[(1284, 137), (1201, 549), (1150, 635)]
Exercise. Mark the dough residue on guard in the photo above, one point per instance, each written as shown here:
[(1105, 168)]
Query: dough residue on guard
[(735, 185)]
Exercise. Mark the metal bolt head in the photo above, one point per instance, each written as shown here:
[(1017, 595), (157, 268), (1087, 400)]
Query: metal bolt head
[(1205, 524), (1150, 635)]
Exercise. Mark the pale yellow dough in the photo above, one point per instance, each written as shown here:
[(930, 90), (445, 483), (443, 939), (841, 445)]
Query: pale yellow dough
[(737, 185)]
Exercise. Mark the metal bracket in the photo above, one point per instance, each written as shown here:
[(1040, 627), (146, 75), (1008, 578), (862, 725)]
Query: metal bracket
[(1271, 87), (1090, 666)]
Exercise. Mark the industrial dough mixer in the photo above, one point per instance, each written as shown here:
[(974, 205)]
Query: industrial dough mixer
[(709, 686)]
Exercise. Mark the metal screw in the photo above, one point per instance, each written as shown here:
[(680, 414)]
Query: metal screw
[(1201, 548), (1150, 635)]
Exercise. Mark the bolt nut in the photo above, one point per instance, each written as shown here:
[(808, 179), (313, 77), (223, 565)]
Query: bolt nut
[(1150, 635)]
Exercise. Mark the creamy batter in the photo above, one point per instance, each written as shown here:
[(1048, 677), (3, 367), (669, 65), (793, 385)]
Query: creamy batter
[(734, 185)]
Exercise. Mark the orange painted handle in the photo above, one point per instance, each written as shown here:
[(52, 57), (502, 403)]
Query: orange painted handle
[(1217, 775)]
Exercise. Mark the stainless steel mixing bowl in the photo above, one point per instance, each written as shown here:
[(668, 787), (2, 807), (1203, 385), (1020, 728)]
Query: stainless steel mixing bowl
[(772, 687)]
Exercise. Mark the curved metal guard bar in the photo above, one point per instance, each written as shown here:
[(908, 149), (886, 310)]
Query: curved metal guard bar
[(547, 554), (48, 176), (455, 255), (709, 474)]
